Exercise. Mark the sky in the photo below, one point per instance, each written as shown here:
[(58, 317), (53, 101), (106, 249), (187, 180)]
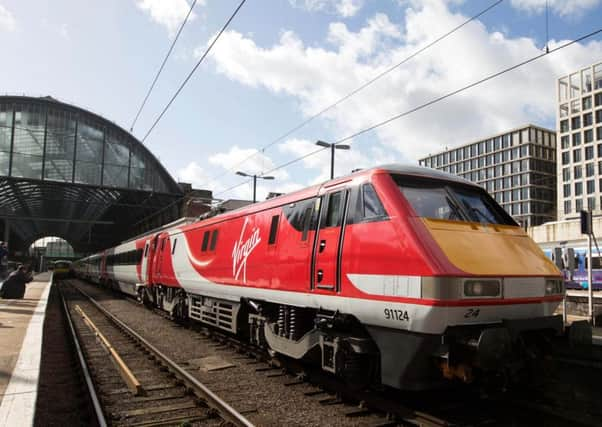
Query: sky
[(250, 106)]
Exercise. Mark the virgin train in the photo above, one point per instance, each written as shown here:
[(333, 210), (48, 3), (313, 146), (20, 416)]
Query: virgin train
[(403, 276)]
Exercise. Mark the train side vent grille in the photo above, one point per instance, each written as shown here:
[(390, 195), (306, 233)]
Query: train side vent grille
[(219, 313)]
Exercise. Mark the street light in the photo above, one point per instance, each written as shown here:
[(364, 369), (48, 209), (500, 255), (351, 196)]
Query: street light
[(254, 181), (332, 148)]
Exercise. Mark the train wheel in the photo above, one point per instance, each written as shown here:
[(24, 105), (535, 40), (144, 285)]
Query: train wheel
[(358, 370)]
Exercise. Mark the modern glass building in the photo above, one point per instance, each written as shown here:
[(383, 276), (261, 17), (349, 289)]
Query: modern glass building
[(518, 168), (580, 136)]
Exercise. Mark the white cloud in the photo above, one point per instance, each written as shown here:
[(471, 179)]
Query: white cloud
[(252, 162), (318, 76), (345, 160), (168, 13), (247, 160), (344, 8), (561, 7), (7, 20), (64, 32), (193, 174)]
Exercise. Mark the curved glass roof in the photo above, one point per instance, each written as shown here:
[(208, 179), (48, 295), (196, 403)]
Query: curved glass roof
[(66, 171)]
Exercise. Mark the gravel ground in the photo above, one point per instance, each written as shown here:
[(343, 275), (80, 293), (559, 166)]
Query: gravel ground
[(60, 375), (261, 396)]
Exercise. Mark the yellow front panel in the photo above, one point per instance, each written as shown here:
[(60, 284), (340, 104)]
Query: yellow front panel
[(490, 249)]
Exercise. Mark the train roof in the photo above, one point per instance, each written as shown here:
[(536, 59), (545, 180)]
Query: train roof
[(423, 172), (313, 191), (305, 193)]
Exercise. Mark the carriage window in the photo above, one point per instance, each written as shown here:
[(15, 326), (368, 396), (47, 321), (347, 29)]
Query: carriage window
[(213, 240), (372, 207), (306, 223), (273, 229), (302, 215), (335, 210), (205, 241), (173, 248), (596, 262)]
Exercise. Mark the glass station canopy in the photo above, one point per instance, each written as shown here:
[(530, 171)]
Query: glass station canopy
[(51, 152), (41, 138)]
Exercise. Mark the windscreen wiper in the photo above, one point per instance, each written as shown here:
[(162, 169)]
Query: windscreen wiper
[(479, 213), (454, 207)]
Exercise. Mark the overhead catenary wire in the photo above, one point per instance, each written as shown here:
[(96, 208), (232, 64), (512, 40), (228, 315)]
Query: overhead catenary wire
[(432, 101), (359, 88), (201, 59), (152, 86)]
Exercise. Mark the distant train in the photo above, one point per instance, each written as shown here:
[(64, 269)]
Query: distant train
[(403, 276), (572, 261), (61, 268)]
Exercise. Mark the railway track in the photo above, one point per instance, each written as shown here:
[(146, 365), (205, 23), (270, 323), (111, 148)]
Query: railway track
[(373, 408), (133, 382)]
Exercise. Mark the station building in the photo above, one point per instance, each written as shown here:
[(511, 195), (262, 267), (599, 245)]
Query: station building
[(579, 121), (68, 172), (517, 167)]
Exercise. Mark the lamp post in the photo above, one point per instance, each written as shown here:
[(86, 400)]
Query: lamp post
[(254, 181), (332, 148)]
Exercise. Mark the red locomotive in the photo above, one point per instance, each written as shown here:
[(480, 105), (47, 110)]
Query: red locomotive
[(399, 275)]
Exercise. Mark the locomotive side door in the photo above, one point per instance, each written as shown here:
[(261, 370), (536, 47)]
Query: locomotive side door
[(328, 243), (150, 248), (158, 261), (145, 262)]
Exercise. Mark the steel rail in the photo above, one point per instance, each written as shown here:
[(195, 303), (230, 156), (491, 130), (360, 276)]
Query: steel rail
[(102, 422), (228, 413)]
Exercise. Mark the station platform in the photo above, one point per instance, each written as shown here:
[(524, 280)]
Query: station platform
[(21, 326)]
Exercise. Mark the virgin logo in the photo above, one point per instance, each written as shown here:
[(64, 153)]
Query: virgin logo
[(242, 250)]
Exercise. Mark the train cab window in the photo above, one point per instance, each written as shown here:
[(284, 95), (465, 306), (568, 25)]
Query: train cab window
[(334, 212), (452, 201), (173, 248), (273, 230), (372, 207), (205, 241), (213, 240)]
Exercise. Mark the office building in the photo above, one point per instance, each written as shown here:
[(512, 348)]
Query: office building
[(517, 167), (580, 142)]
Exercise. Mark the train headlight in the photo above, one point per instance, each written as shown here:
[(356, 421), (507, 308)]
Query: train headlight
[(554, 287), (481, 288)]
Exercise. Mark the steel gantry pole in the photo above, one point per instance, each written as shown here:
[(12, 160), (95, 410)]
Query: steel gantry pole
[(254, 176), (332, 148)]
